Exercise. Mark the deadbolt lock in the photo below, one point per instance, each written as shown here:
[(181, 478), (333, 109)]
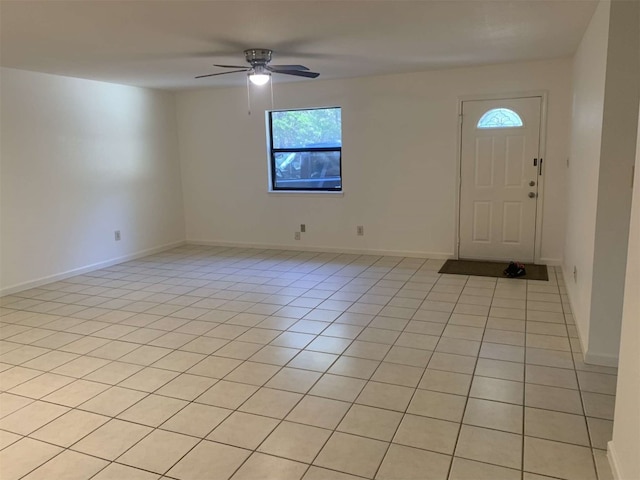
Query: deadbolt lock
[(532, 183), (532, 195)]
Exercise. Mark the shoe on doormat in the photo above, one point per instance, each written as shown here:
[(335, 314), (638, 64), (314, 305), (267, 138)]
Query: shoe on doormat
[(515, 269)]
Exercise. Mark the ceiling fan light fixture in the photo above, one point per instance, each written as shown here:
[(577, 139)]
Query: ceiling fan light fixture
[(259, 76)]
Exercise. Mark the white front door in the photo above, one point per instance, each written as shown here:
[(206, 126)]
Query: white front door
[(499, 168)]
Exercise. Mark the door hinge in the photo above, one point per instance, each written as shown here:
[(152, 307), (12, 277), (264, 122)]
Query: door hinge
[(540, 171)]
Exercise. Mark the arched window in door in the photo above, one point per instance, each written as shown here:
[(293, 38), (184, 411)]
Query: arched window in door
[(500, 118)]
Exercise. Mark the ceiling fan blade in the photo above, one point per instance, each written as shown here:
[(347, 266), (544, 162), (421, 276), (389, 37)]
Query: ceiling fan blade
[(222, 73), (298, 73), (286, 67), (232, 66)]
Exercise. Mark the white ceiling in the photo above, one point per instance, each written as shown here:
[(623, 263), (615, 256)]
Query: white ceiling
[(164, 44)]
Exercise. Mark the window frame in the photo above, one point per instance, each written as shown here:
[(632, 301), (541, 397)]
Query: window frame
[(272, 152)]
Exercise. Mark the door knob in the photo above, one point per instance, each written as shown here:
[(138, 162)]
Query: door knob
[(532, 195), (532, 183)]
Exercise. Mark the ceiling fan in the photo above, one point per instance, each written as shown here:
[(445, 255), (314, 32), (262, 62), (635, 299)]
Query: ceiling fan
[(259, 71)]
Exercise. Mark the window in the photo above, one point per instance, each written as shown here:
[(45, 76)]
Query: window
[(500, 118), (305, 149)]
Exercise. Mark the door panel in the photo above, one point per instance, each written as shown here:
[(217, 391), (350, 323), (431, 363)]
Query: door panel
[(497, 202)]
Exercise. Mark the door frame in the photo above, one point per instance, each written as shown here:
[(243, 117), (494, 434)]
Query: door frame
[(542, 144)]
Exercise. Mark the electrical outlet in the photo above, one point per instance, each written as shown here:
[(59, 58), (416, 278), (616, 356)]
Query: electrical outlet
[(116, 235), (303, 227), (575, 274), (296, 236), (360, 230)]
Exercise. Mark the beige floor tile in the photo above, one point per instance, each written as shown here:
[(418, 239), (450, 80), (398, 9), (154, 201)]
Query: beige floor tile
[(148, 379), (370, 422), (243, 430), (600, 431), (7, 438), (553, 377), (253, 373), (10, 403), (463, 469), (416, 340), (113, 401), (452, 363), (209, 460), (115, 471), (271, 403), (597, 382), (112, 439), (113, 373), (152, 410), (146, 354), (562, 427), (427, 433), (238, 350), (69, 428), (31, 417), (406, 463), (382, 395), (41, 386), (599, 405), (227, 394), (367, 350), (76, 393), (338, 387), (179, 361), (549, 358), (45, 362), (490, 446), (266, 467), (158, 451), (196, 419), (548, 342), (204, 345), (354, 367), (500, 369), (437, 405), (497, 389), (294, 380), (558, 459), (23, 456), (408, 356), (603, 468), (324, 344), (398, 374), (186, 387), (68, 465), (317, 361), (553, 398), (319, 412), (296, 340), (352, 454), (295, 441), (496, 415), (317, 473), (214, 367), (13, 377), (446, 382), (495, 351)]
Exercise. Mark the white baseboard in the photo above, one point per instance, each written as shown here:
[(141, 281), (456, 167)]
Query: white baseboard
[(87, 268), (303, 248), (613, 461), (551, 262), (602, 360)]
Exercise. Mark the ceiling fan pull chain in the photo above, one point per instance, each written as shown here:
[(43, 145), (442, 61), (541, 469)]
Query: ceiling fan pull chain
[(248, 97), (271, 83)]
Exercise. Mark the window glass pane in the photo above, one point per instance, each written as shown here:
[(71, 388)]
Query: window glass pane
[(321, 127), (303, 170), (500, 118)]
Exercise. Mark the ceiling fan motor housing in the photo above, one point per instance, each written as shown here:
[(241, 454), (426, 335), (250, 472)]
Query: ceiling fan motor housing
[(258, 56)]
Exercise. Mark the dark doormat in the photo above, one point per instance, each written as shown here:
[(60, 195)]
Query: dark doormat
[(491, 269)]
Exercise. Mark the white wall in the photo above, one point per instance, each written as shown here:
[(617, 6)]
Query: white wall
[(80, 159), (589, 72), (623, 450), (399, 160), (606, 93)]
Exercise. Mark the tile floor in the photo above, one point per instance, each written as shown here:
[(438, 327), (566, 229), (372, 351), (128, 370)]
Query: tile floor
[(215, 363)]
